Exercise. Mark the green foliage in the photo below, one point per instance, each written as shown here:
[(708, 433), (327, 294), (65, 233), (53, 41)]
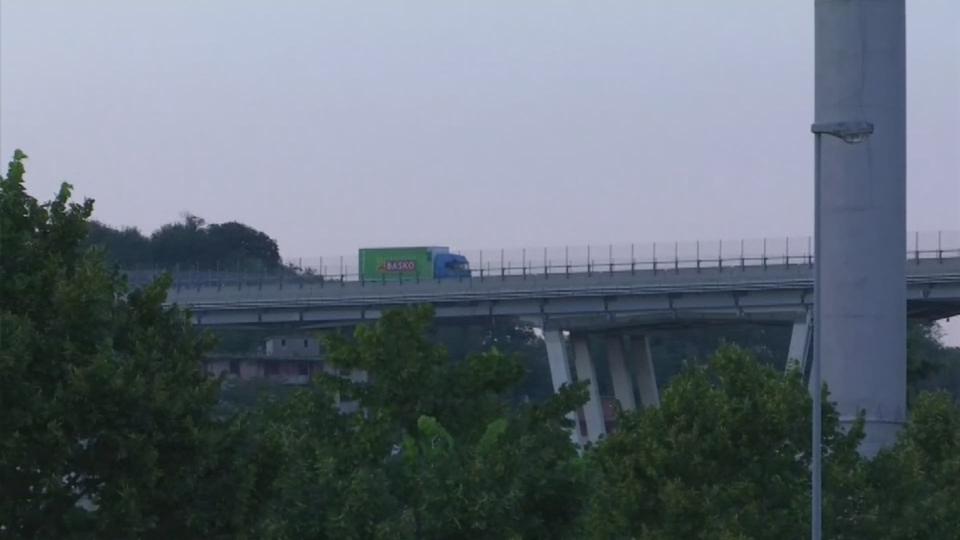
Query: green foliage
[(931, 365), (239, 396), (126, 247), (189, 245), (510, 337), (726, 455), (678, 348), (438, 451), (103, 405), (918, 481)]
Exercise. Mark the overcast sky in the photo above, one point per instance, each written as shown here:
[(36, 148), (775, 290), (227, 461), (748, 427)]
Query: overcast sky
[(336, 125)]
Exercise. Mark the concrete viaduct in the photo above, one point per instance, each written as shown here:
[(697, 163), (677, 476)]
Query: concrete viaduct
[(620, 301)]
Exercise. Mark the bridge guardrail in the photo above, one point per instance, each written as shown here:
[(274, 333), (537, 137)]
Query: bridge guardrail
[(557, 261)]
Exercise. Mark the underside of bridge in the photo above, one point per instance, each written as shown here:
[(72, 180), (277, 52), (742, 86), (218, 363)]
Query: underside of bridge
[(621, 310)]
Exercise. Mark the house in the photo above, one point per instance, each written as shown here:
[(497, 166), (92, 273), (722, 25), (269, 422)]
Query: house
[(287, 359)]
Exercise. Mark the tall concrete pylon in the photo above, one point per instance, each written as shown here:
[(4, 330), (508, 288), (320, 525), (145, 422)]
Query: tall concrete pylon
[(861, 76)]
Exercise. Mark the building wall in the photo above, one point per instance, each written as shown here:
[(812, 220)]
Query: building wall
[(291, 360), (293, 346)]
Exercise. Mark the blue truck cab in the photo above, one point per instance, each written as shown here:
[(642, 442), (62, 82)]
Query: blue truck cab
[(450, 265)]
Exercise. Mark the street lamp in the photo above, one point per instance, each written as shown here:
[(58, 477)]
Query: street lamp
[(851, 133)]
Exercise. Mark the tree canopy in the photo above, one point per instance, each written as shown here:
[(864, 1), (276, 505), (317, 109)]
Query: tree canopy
[(931, 366), (438, 451), (726, 455), (917, 482), (105, 411), (191, 244)]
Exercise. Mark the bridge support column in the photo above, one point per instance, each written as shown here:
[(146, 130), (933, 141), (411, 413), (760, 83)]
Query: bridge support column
[(593, 409), (646, 377), (801, 339), (622, 382), (560, 372)]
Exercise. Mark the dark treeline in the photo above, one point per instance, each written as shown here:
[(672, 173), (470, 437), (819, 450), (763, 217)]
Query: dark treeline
[(191, 244)]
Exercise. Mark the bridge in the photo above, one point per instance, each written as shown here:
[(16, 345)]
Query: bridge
[(623, 298), (568, 300), (567, 288)]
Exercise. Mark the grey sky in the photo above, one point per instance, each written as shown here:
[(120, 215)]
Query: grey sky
[(335, 125)]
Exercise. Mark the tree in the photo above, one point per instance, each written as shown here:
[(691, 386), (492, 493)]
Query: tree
[(513, 337), (437, 451), (193, 244), (917, 482), (188, 245), (234, 241), (726, 455), (179, 244), (107, 430), (127, 247), (931, 365), (678, 348), (510, 337)]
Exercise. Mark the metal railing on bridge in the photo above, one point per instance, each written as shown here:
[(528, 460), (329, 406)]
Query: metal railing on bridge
[(553, 261)]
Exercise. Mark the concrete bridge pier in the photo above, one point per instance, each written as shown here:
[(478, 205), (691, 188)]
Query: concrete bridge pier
[(586, 371), (631, 371), (559, 360), (619, 374), (801, 344), (643, 366)]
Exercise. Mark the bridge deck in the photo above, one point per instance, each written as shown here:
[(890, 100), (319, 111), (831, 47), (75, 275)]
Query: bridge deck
[(777, 291)]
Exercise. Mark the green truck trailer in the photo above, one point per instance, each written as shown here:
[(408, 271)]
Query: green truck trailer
[(411, 263)]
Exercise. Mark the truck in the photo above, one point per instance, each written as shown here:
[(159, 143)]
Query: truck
[(411, 263)]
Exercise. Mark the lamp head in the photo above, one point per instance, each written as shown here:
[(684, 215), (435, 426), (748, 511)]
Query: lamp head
[(848, 132)]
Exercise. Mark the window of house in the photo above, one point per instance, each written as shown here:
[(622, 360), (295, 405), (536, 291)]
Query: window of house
[(304, 368), (271, 369), (283, 343), (304, 344), (235, 367)]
